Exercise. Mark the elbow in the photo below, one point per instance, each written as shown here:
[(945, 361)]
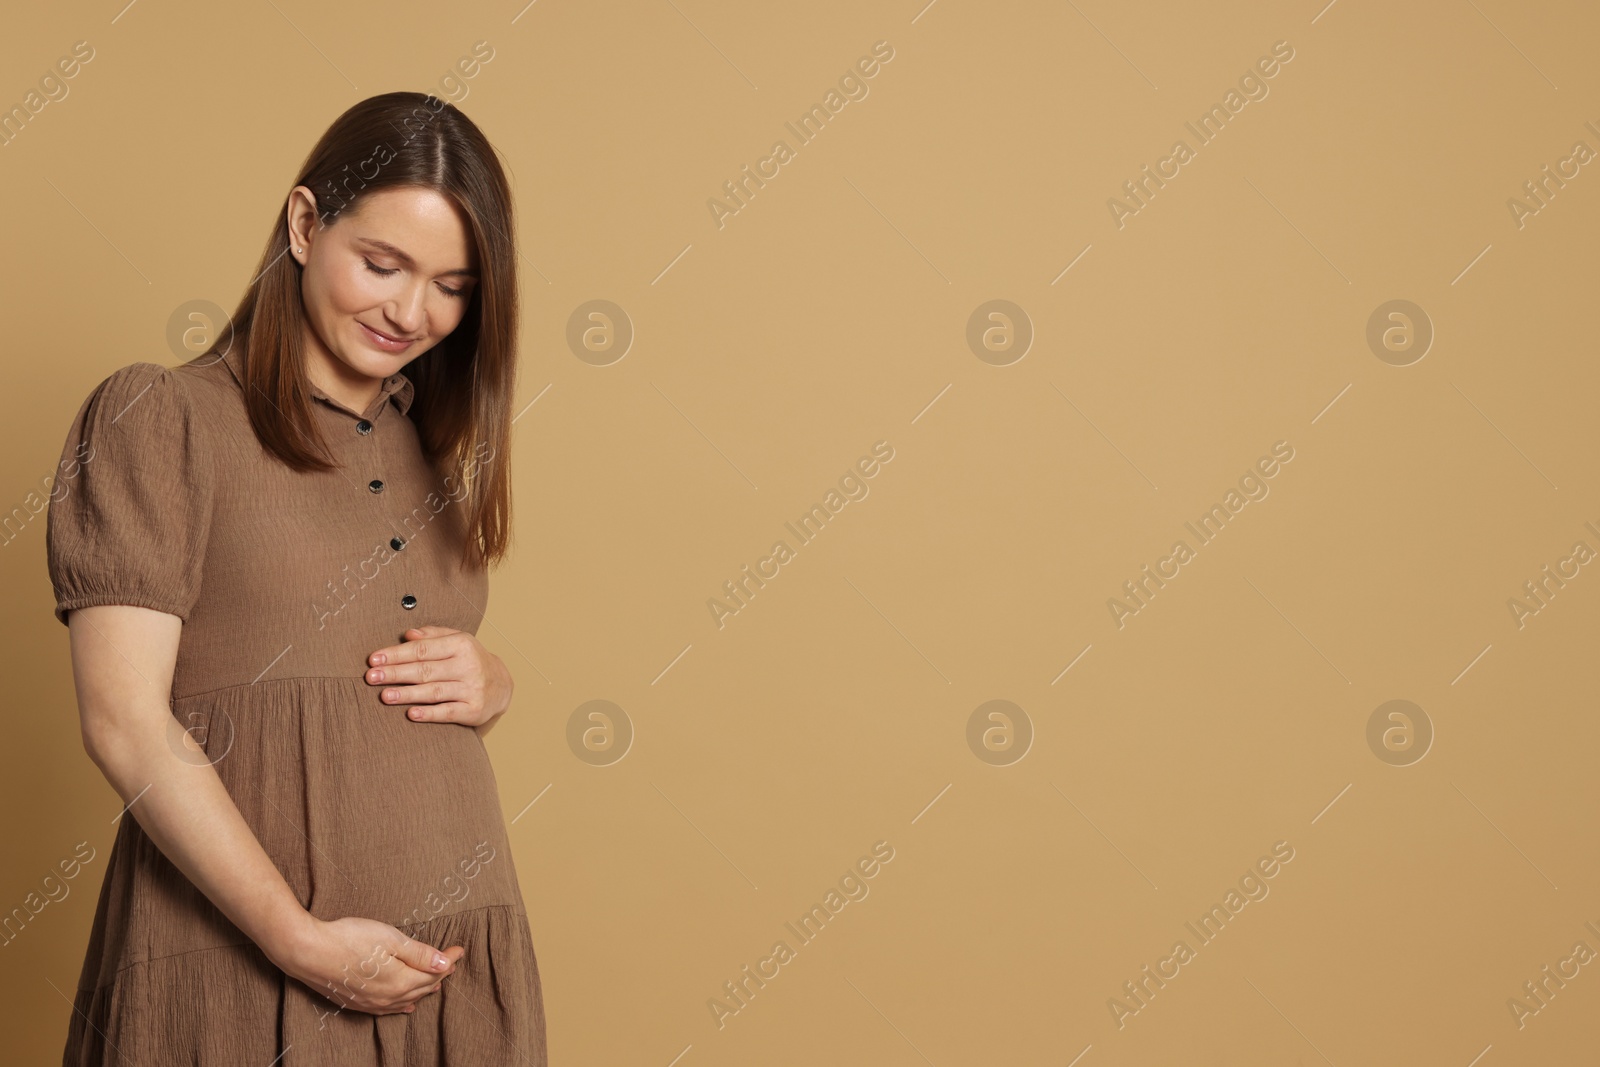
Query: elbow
[(97, 742), (110, 740)]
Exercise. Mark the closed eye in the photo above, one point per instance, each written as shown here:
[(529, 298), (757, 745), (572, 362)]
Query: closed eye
[(445, 289)]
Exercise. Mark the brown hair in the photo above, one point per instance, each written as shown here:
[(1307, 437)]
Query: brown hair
[(464, 385)]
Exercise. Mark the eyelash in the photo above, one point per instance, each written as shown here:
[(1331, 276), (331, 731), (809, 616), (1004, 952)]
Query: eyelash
[(457, 293)]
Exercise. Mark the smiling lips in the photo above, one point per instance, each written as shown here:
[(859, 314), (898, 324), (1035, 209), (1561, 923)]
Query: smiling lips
[(384, 341)]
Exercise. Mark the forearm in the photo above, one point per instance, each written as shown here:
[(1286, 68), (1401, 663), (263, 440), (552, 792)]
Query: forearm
[(182, 805)]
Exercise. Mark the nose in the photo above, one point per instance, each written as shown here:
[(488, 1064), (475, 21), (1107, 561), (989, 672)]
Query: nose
[(408, 313)]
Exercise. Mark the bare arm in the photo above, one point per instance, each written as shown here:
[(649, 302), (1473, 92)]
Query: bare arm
[(122, 664)]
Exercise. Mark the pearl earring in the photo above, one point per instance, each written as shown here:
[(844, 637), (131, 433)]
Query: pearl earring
[(297, 251)]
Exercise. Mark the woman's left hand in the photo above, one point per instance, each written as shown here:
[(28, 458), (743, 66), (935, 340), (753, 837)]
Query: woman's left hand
[(449, 676)]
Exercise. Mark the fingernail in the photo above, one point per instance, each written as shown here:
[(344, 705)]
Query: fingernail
[(415, 713), (377, 676), (439, 962), (379, 658)]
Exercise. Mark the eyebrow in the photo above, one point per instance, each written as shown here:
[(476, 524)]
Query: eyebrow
[(402, 256)]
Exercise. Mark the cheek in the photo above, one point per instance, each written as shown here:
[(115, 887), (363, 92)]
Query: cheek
[(444, 319), (332, 296), (353, 290)]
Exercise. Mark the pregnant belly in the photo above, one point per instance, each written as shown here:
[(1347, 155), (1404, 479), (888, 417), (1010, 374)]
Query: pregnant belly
[(363, 811)]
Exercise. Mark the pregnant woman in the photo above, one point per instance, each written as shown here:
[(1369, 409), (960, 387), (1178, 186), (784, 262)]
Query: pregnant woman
[(272, 563)]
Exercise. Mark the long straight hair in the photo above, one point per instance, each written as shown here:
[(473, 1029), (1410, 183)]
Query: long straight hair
[(464, 385)]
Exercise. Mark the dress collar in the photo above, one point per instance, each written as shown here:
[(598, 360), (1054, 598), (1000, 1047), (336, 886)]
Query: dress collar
[(396, 386)]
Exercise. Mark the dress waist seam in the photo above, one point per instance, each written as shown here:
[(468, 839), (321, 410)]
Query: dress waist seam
[(274, 681)]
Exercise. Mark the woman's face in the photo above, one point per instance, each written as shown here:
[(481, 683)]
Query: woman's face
[(390, 278)]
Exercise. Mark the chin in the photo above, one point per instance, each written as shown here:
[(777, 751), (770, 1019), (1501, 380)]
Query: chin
[(372, 363)]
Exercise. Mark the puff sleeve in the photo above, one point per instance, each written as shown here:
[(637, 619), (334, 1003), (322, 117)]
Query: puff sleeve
[(130, 509)]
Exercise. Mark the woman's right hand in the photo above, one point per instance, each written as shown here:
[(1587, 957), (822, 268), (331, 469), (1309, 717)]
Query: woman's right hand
[(366, 964)]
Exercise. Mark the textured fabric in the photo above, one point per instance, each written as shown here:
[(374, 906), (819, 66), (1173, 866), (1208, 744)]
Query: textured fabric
[(286, 582)]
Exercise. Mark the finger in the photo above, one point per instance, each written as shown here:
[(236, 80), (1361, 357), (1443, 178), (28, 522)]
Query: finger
[(430, 630), (430, 984), (408, 989), (430, 666), (420, 955), (418, 985), (385, 654), (454, 954), (426, 693), (450, 711), (420, 641)]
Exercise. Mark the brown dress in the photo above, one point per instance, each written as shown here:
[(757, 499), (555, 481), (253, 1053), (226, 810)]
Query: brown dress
[(286, 581)]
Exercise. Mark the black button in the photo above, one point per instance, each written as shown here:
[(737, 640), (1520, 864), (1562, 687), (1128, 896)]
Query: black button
[(408, 601), (363, 427), (396, 544), (375, 485)]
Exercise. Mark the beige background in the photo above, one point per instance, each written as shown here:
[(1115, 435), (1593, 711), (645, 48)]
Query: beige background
[(832, 712)]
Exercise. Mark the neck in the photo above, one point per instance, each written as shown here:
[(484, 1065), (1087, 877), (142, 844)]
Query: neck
[(334, 377)]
